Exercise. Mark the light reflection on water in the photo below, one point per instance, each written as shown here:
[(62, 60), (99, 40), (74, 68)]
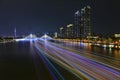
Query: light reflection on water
[(110, 52)]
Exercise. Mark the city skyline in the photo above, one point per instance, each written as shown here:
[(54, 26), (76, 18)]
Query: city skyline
[(82, 27), (37, 16), (59, 40)]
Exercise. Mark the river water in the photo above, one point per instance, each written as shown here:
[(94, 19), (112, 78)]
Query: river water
[(19, 61), (100, 51)]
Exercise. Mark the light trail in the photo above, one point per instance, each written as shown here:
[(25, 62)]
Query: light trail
[(64, 65), (107, 61), (34, 60), (54, 72), (80, 66)]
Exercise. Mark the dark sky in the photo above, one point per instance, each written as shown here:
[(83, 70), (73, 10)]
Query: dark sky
[(41, 16)]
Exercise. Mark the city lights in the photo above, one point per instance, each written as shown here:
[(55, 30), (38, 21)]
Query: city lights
[(59, 40)]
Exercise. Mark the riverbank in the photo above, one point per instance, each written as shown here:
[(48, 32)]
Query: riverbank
[(103, 44)]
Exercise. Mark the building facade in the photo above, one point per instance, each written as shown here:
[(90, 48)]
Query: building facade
[(70, 31), (85, 28), (77, 24), (62, 32)]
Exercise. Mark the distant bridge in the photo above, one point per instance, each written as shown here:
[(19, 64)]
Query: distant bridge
[(34, 37)]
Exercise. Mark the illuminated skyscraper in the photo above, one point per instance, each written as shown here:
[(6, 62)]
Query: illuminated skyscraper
[(70, 31), (55, 35), (77, 25), (62, 32), (85, 29)]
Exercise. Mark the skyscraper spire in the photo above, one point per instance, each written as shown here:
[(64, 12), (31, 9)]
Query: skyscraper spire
[(15, 32)]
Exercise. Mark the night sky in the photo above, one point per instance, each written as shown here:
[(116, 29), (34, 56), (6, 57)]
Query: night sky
[(42, 16)]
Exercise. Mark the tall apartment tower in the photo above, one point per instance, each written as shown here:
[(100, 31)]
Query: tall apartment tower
[(70, 31), (77, 24), (85, 30), (62, 32)]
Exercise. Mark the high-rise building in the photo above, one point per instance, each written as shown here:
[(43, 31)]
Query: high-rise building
[(70, 31), (62, 32), (85, 30), (77, 25), (82, 26), (55, 35)]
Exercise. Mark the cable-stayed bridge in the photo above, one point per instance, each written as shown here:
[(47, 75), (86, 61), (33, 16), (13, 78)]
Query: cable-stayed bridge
[(34, 37)]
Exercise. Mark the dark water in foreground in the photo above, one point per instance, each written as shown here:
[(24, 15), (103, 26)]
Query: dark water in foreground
[(15, 62), (18, 62)]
